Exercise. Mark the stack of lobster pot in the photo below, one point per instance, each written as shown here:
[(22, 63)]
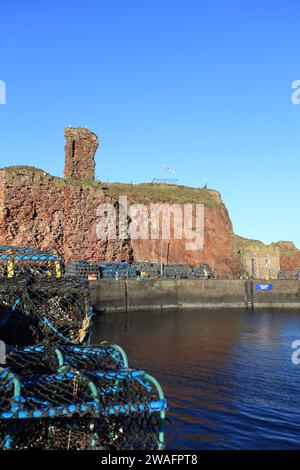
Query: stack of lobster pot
[(82, 268), (117, 270), (145, 268), (178, 271), (57, 391)]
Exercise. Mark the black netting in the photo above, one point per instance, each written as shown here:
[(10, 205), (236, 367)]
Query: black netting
[(49, 358), (57, 392), (113, 433), (113, 409), (34, 310), (24, 262)]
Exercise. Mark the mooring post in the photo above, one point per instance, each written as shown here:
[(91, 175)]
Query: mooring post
[(10, 265)]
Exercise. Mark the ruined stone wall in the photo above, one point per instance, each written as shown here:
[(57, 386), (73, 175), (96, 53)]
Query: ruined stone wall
[(266, 262), (80, 149)]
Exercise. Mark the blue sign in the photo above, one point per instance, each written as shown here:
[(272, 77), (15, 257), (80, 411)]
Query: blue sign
[(264, 286)]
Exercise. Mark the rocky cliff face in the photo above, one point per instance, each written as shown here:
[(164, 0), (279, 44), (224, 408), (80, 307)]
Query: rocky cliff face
[(289, 256), (218, 250), (38, 210), (42, 211), (268, 259)]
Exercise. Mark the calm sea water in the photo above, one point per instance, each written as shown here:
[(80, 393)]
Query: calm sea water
[(228, 375)]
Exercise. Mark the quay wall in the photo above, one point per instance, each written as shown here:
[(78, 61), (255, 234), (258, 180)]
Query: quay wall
[(110, 295)]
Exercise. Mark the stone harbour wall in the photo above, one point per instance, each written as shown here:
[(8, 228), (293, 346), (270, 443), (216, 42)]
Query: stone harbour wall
[(110, 295)]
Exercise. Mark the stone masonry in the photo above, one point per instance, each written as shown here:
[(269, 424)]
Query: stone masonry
[(264, 260), (80, 149)]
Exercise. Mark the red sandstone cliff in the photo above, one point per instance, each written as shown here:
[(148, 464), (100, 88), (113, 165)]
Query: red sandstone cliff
[(39, 210), (218, 250), (289, 256)]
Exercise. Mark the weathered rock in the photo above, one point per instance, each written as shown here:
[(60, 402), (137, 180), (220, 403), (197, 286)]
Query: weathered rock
[(80, 149), (218, 251), (41, 211), (289, 256)]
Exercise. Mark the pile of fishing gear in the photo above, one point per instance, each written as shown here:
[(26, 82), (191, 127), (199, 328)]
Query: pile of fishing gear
[(102, 270), (56, 390), (143, 269), (24, 262), (120, 270), (82, 268), (34, 310), (174, 271)]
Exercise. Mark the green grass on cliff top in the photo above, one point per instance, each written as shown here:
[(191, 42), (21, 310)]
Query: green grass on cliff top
[(147, 192), (246, 244), (143, 193)]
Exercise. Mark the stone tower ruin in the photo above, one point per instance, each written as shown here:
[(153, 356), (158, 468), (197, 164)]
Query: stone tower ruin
[(80, 149)]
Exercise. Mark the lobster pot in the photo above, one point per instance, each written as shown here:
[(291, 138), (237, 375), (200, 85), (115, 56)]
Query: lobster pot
[(105, 270), (82, 268), (123, 432), (151, 269), (203, 271), (178, 271), (57, 391), (122, 270), (26, 262), (42, 310), (42, 359), (52, 405)]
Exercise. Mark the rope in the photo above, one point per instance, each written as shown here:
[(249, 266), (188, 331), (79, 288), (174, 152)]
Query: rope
[(10, 313)]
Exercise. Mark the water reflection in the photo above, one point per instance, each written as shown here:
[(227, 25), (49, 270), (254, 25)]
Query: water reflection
[(228, 375)]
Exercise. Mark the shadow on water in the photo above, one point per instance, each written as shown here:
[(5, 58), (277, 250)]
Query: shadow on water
[(228, 375)]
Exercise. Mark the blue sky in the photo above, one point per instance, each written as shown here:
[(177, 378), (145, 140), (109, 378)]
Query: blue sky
[(202, 86)]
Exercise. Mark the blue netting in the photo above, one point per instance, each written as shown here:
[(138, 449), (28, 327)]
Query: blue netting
[(56, 391)]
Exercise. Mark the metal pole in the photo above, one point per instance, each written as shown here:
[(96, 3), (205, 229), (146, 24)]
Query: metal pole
[(161, 258)]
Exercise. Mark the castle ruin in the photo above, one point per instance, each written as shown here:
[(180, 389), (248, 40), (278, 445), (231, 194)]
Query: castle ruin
[(80, 149)]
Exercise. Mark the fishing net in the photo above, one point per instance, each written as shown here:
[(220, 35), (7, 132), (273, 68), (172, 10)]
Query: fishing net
[(82, 268), (79, 409), (23, 262), (34, 310), (56, 392), (174, 271), (105, 270), (49, 358), (113, 433)]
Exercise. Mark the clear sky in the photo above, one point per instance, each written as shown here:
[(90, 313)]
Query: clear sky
[(201, 86)]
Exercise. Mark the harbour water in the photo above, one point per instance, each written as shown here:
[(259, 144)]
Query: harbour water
[(228, 375)]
